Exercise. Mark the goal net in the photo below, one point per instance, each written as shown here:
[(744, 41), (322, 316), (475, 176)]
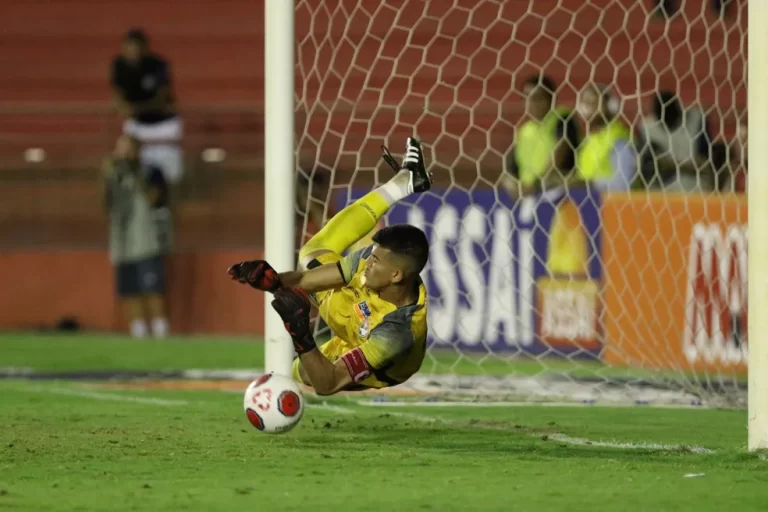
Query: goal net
[(584, 290)]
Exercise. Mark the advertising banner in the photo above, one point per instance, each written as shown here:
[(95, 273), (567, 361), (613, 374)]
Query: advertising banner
[(675, 281), (504, 277)]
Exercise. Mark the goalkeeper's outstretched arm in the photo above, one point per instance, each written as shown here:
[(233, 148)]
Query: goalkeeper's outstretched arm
[(260, 275), (318, 279), (325, 377)]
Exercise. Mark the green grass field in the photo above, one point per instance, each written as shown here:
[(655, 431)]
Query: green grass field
[(85, 446), (57, 352)]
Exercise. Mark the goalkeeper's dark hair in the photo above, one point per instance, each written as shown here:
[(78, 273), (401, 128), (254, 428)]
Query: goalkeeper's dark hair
[(405, 240)]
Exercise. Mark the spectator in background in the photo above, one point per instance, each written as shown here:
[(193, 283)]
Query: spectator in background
[(742, 157), (544, 151), (131, 193), (142, 87), (606, 157), (736, 179), (311, 197), (667, 8), (674, 145)]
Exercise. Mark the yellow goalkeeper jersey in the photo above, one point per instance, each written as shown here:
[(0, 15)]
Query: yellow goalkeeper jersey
[(392, 339)]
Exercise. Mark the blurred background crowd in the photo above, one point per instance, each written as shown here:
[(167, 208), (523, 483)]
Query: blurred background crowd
[(147, 139)]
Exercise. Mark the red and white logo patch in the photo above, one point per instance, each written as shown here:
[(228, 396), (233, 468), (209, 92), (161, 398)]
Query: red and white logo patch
[(356, 364), (262, 399)]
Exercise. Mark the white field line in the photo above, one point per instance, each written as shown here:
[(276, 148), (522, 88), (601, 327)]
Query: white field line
[(448, 404), (578, 441), (106, 396), (329, 407), (394, 403)]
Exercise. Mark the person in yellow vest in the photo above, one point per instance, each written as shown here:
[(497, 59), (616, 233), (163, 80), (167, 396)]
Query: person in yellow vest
[(543, 154), (606, 157)]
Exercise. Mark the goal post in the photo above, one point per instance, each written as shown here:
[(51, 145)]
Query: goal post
[(758, 232), (279, 168), (577, 294)]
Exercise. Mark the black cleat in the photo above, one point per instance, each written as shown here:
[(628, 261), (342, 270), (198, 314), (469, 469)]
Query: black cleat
[(413, 162), (421, 180)]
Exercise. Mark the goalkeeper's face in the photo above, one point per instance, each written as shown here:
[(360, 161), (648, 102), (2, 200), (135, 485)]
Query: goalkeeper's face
[(383, 268)]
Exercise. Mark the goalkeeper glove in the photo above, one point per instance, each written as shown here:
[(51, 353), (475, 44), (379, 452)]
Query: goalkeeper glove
[(293, 307), (257, 273)]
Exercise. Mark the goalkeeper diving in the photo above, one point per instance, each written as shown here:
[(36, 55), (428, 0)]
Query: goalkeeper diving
[(373, 299)]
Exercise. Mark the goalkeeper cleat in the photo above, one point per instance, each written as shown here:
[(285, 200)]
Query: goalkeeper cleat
[(420, 180)]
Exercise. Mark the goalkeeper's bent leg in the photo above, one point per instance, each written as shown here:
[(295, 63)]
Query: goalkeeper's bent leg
[(356, 220)]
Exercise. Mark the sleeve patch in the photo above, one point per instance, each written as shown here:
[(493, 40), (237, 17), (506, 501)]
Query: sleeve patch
[(356, 364)]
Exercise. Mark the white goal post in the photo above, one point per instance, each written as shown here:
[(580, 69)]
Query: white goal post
[(658, 316), (757, 49), (279, 168)]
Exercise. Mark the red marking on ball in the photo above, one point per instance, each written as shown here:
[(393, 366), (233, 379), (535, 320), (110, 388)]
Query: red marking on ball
[(262, 399), (264, 378), (255, 419), (288, 403)]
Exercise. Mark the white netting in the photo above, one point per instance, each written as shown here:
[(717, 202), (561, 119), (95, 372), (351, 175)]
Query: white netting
[(573, 294)]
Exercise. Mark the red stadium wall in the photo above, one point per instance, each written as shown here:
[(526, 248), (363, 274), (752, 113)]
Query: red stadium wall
[(60, 51), (41, 287)]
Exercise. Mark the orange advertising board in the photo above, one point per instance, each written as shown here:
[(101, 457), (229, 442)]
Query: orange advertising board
[(675, 281)]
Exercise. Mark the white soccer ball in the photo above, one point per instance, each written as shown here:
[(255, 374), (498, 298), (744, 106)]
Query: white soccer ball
[(273, 403)]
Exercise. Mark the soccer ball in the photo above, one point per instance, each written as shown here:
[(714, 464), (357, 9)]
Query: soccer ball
[(273, 403)]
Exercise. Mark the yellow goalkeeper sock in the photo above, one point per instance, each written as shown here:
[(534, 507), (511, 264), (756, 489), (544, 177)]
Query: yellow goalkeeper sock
[(358, 219)]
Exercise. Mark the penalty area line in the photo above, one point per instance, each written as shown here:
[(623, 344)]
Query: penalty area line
[(562, 438), (329, 407), (580, 441), (584, 404)]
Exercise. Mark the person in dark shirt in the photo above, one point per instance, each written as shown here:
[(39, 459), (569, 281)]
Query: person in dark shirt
[(143, 93), (668, 8)]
